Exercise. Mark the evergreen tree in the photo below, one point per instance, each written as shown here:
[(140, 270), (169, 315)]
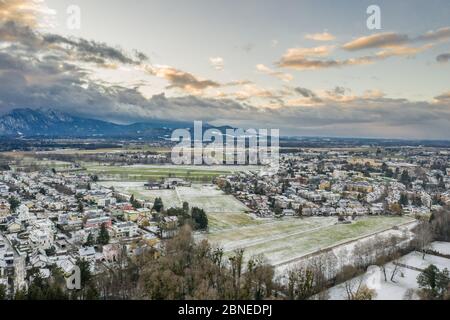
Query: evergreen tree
[(433, 282), (90, 240), (134, 202), (403, 199), (405, 178), (186, 207), (85, 276), (103, 237), (200, 219), (158, 205), (14, 203)]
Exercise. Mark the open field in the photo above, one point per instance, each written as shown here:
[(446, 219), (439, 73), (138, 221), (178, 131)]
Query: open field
[(137, 189), (28, 161), (284, 241), (158, 172), (281, 241), (210, 198), (224, 211), (75, 151)]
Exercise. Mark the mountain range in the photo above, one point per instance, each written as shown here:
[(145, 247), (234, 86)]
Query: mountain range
[(56, 124)]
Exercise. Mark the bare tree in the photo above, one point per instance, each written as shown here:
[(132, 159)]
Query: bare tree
[(354, 284), (397, 268), (440, 223), (423, 237)]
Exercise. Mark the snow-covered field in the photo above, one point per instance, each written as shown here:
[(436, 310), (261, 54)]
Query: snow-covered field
[(224, 210), (404, 281), (211, 199), (222, 168), (169, 197), (283, 242), (286, 241), (441, 247)]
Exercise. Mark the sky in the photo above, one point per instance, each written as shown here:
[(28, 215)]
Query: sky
[(308, 68)]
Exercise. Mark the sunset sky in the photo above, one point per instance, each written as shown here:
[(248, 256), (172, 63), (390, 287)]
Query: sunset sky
[(309, 68)]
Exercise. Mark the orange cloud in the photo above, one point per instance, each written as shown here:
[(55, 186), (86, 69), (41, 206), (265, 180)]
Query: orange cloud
[(286, 77), (392, 39), (181, 79), (24, 12), (324, 36), (380, 40)]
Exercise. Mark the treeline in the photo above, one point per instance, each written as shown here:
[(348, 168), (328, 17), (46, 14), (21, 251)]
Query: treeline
[(189, 270), (194, 217), (183, 270)]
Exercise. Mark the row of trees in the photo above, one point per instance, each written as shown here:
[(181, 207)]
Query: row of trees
[(317, 274), (189, 270), (196, 218)]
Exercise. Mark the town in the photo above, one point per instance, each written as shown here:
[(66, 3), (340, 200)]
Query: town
[(59, 211)]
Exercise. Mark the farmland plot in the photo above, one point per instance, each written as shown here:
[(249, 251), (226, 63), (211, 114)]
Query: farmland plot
[(224, 211), (286, 240)]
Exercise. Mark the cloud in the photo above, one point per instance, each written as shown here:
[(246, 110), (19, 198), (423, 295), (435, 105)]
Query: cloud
[(440, 34), (297, 59), (402, 51), (286, 77), (308, 52), (303, 63), (24, 12), (445, 97), (305, 92), (338, 91), (217, 63), (392, 44), (252, 91), (25, 41), (443, 58), (324, 36), (380, 40), (72, 48), (92, 51), (41, 70), (312, 58), (309, 97), (370, 115), (373, 94), (393, 39), (182, 80)]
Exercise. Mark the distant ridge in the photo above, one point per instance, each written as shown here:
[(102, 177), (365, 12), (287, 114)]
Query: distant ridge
[(51, 123)]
